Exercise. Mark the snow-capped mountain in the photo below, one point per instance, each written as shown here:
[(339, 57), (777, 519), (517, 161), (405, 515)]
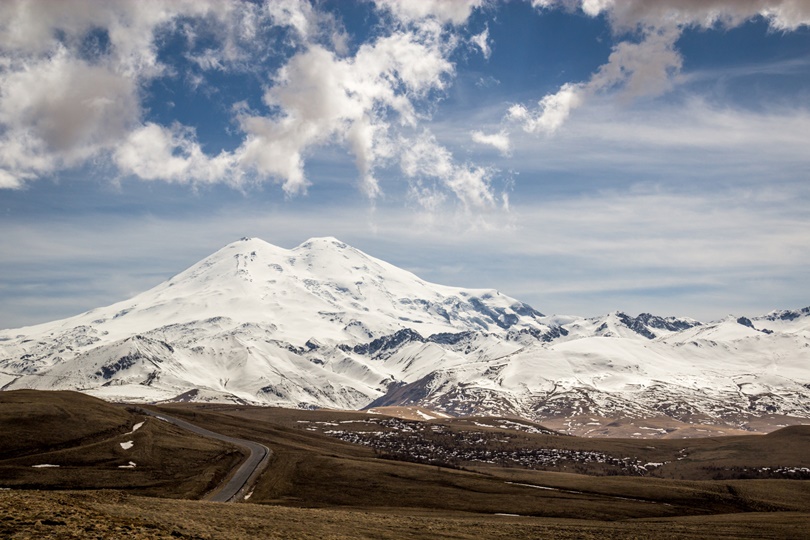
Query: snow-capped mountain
[(245, 323), (325, 325)]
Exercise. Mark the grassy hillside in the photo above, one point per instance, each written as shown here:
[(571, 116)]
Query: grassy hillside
[(117, 515), (398, 479), (67, 440)]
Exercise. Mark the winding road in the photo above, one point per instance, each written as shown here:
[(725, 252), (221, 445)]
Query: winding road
[(237, 486)]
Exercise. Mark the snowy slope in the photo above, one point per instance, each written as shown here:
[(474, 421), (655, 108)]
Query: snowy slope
[(349, 293), (245, 323), (325, 325)]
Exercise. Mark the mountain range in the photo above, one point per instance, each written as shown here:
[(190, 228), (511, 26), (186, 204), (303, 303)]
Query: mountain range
[(324, 325)]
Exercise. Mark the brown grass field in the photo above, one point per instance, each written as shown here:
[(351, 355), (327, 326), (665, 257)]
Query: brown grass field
[(318, 486), (83, 435)]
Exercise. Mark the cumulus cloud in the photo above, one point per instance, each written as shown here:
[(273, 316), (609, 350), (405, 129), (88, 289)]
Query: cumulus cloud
[(445, 11), (310, 24), (61, 104), (9, 181), (67, 106), (298, 15), (34, 27), (74, 78), (154, 152), (647, 67), (643, 68), (353, 100), (71, 77)]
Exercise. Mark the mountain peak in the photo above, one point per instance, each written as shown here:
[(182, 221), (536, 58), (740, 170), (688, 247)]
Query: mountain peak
[(249, 241), (314, 243), (323, 242), (322, 288)]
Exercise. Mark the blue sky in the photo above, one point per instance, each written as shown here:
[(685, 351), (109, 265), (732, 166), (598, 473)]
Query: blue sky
[(582, 156)]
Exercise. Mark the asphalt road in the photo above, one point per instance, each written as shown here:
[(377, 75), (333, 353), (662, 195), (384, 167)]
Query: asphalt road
[(237, 486)]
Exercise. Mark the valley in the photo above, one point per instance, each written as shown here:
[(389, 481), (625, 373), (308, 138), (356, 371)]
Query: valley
[(420, 479)]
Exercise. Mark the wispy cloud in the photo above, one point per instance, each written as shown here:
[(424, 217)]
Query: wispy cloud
[(680, 142)]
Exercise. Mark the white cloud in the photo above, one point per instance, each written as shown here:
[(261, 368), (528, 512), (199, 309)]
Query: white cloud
[(782, 14), (678, 141), (429, 197), (487, 82), (423, 157), (641, 69), (68, 104), (471, 184), (632, 70), (584, 254), (310, 24), (499, 141), (36, 27), (60, 111), (482, 42), (647, 67), (153, 152), (552, 110), (9, 181), (324, 98), (294, 13), (60, 107), (628, 14), (445, 11)]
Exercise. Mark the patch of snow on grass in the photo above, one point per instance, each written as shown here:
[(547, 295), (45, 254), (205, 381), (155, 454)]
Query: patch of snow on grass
[(659, 430), (425, 416), (131, 465), (44, 466), (127, 445), (535, 487), (136, 427)]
